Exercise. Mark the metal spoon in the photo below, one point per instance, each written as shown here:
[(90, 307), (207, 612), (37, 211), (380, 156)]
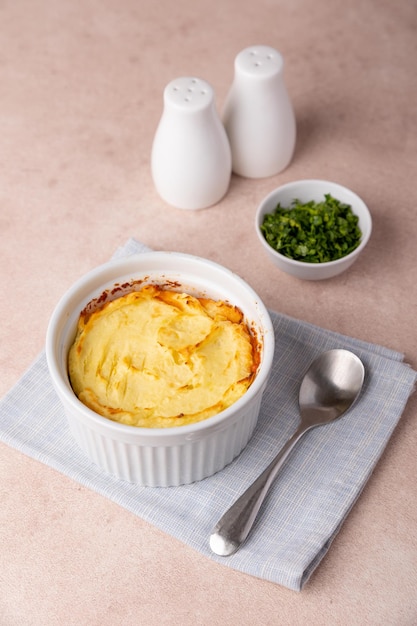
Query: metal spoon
[(329, 388)]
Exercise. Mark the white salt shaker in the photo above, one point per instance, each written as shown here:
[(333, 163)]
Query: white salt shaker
[(258, 114), (191, 159)]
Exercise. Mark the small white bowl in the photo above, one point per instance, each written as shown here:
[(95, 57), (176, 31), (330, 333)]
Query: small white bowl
[(160, 457), (305, 191)]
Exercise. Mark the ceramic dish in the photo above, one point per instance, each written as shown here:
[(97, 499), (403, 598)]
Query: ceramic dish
[(305, 191), (160, 457)]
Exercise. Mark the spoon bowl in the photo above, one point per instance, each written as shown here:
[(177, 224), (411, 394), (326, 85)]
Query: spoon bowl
[(329, 388)]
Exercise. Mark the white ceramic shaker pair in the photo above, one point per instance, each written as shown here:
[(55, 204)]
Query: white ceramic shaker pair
[(194, 152)]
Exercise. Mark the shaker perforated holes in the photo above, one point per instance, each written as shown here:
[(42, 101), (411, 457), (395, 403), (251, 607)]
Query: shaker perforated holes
[(260, 60), (192, 93)]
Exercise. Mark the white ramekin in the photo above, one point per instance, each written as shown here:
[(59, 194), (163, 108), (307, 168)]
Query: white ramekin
[(159, 457)]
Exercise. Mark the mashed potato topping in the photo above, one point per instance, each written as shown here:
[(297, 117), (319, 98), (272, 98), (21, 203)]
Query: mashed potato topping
[(157, 358)]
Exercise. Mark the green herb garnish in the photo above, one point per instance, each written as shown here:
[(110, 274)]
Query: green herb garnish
[(314, 232)]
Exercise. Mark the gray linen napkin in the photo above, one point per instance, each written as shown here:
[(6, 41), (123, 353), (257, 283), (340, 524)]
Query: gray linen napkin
[(315, 491)]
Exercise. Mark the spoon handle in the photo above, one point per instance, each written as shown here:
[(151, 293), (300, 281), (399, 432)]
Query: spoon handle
[(235, 525)]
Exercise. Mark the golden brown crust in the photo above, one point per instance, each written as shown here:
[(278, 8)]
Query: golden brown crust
[(160, 358)]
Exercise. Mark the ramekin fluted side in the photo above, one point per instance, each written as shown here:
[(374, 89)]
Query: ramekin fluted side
[(167, 465)]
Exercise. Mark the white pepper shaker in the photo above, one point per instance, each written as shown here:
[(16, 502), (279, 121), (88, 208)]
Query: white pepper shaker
[(258, 114), (191, 159)]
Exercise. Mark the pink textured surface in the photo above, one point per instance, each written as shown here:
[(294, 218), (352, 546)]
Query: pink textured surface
[(80, 99)]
